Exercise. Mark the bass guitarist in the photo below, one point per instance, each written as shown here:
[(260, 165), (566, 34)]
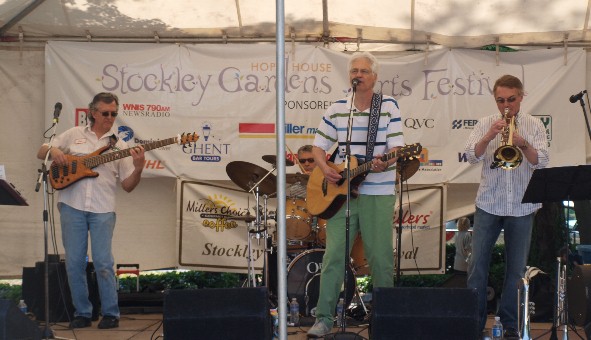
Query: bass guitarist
[(88, 207), (373, 208)]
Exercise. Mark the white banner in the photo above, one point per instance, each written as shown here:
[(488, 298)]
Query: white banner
[(226, 93)]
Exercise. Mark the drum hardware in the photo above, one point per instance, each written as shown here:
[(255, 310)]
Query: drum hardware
[(298, 221), (297, 178), (258, 181)]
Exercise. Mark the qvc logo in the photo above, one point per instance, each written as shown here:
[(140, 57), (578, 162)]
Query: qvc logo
[(418, 123)]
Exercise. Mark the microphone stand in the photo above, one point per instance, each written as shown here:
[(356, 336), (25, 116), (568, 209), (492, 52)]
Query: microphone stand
[(47, 332), (343, 334), (399, 233), (585, 112)]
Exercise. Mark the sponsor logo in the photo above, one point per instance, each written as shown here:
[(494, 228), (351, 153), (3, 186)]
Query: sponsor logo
[(81, 117), (145, 110), (419, 123), (462, 157), (125, 133), (211, 150), (267, 130), (429, 164), (547, 121), (215, 212), (463, 123)]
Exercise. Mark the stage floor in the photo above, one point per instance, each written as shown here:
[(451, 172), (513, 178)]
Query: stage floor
[(149, 326)]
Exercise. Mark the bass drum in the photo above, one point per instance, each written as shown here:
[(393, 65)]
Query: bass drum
[(303, 281)]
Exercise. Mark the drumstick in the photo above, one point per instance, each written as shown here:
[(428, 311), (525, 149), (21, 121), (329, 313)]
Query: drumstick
[(296, 159)]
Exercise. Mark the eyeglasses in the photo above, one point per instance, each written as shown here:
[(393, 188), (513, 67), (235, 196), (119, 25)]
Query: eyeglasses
[(304, 160), (509, 100), (112, 113)]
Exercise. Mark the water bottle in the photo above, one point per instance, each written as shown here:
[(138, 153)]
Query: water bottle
[(22, 306), (340, 311), (497, 329), (294, 312)]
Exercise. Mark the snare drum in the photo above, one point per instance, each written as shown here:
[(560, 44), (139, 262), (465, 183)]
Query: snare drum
[(303, 281), (298, 220)]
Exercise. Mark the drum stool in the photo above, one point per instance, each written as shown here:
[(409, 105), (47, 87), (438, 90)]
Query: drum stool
[(124, 269)]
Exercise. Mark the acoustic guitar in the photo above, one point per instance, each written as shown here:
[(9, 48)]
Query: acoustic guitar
[(324, 199), (80, 167)]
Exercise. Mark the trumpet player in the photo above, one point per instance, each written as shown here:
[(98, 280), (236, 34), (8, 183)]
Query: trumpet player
[(511, 144)]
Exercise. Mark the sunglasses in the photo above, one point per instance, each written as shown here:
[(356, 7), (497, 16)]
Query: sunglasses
[(509, 100), (304, 160), (112, 113)]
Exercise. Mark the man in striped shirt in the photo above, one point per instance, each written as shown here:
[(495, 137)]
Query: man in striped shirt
[(371, 212), (498, 201)]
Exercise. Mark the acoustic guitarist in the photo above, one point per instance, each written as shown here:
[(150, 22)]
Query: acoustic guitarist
[(88, 207), (373, 208)]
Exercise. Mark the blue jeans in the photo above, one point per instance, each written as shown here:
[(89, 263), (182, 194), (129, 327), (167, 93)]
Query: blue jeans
[(517, 236), (76, 225)]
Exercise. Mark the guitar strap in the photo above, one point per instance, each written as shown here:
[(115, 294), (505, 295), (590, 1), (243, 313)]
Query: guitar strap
[(372, 125)]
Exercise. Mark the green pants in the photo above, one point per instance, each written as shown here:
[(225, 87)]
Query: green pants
[(373, 217)]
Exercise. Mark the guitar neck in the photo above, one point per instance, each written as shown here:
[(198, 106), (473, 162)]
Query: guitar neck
[(367, 165), (97, 160)]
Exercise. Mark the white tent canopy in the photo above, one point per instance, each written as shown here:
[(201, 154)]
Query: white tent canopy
[(343, 25), (449, 23)]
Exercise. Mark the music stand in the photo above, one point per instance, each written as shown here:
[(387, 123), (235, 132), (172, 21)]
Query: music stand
[(9, 195), (567, 183)]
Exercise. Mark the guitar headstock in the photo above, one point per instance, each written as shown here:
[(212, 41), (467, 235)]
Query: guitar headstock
[(410, 151), (187, 138)]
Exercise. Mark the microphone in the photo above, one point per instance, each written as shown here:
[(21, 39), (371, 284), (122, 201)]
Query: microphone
[(576, 97), (355, 82), (56, 112)]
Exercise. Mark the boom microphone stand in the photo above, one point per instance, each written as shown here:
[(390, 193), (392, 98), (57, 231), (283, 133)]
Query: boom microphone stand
[(47, 332), (343, 334)]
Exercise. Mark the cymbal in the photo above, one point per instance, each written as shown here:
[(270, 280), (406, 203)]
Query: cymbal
[(298, 177), (272, 159), (409, 167), (246, 175)]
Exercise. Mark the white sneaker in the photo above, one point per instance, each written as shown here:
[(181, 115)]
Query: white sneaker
[(319, 329)]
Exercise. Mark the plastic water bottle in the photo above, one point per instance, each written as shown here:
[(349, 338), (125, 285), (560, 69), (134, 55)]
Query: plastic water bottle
[(294, 312), (22, 306), (497, 329), (340, 311)]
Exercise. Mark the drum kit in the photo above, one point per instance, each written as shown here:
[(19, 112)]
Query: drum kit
[(305, 233)]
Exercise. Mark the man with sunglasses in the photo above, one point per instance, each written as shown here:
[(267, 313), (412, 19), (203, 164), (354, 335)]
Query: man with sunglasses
[(498, 201), (372, 210), (88, 207)]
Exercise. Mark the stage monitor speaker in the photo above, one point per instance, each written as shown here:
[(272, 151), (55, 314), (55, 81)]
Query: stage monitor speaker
[(60, 300), (424, 313), (578, 288), (16, 325), (224, 313)]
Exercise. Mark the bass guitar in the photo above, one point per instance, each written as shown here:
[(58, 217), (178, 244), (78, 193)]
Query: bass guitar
[(79, 167), (324, 199)]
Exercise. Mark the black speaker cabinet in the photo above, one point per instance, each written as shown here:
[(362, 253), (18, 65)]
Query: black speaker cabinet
[(16, 325), (578, 288), (226, 313), (424, 313), (60, 300)]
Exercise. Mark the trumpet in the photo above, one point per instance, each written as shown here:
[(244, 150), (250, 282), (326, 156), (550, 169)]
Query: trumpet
[(526, 307), (507, 156)]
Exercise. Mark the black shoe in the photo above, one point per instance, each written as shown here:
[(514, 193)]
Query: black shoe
[(80, 322), (511, 334), (108, 322)]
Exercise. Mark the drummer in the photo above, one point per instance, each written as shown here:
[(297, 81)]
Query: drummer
[(305, 160)]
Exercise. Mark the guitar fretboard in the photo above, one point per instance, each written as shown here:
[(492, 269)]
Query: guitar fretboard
[(97, 160), (367, 165)]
